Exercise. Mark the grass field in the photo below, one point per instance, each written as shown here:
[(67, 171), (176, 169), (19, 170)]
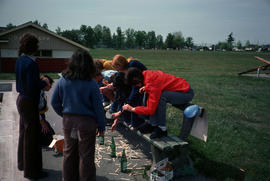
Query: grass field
[(238, 145)]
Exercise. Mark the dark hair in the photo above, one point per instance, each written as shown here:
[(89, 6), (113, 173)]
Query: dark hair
[(80, 66), (134, 76), (122, 89), (28, 44), (50, 79), (99, 66)]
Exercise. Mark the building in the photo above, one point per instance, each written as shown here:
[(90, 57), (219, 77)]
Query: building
[(54, 50)]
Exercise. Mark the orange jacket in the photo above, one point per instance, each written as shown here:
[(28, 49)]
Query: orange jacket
[(155, 83)]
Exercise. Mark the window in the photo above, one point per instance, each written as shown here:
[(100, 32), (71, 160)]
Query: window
[(44, 53)]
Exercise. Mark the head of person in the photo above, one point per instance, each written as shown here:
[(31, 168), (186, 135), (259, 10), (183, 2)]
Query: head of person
[(28, 44), (120, 63), (80, 66), (50, 80), (99, 64), (134, 76), (119, 82)]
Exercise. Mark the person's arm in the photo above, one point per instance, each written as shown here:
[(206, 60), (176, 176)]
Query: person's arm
[(56, 100), (98, 108)]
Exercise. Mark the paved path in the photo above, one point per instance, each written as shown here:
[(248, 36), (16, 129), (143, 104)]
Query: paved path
[(108, 169)]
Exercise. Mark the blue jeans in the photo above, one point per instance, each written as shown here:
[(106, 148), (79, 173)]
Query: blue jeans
[(176, 98)]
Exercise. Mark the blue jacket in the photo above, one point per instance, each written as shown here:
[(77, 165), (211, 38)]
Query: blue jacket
[(28, 82), (137, 64), (80, 97)]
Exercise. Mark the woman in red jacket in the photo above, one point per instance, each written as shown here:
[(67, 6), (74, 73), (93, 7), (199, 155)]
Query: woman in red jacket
[(161, 88)]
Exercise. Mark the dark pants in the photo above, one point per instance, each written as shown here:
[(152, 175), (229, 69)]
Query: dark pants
[(79, 153), (29, 150)]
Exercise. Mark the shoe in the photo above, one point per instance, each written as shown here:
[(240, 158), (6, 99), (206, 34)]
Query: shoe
[(158, 133), (145, 128)]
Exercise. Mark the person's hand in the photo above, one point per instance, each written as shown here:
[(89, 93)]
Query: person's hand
[(128, 107), (116, 114), (142, 89), (44, 126), (114, 124)]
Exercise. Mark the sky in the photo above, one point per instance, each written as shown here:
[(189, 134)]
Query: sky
[(206, 21)]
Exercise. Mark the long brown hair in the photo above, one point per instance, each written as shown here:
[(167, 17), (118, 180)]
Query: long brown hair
[(28, 44), (80, 66)]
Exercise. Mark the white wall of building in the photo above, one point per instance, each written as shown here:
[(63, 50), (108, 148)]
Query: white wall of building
[(9, 53), (61, 54)]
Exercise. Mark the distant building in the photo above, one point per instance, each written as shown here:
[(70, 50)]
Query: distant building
[(54, 50)]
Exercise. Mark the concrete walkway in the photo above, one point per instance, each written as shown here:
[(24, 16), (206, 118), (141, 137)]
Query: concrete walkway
[(108, 169)]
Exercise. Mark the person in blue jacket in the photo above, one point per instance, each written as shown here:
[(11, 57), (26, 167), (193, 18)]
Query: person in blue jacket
[(77, 99), (29, 85)]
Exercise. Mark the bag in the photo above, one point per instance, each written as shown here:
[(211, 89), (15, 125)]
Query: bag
[(46, 138)]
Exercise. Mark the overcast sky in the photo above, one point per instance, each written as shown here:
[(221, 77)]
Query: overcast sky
[(206, 21)]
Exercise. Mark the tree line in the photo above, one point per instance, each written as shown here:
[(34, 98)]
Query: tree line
[(102, 37)]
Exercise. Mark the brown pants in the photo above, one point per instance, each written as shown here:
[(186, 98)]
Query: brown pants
[(29, 150), (79, 154)]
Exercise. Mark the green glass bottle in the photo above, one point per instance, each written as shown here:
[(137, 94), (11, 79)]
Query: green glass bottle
[(123, 162), (101, 140), (113, 148)]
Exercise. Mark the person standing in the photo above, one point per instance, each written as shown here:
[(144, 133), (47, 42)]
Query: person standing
[(77, 99), (29, 85)]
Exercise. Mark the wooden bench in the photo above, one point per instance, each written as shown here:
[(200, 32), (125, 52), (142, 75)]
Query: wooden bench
[(171, 147), (160, 147)]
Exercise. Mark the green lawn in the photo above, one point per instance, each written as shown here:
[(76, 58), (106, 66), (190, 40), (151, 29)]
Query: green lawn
[(238, 145)]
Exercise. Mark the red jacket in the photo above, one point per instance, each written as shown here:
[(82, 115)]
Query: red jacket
[(155, 83)]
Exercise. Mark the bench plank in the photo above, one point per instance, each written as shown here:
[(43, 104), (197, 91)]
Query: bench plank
[(163, 143)]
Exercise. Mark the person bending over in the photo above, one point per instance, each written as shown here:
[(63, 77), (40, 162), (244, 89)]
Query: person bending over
[(161, 88)]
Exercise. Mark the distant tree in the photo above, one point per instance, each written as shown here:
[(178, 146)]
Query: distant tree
[(151, 40), (247, 45), (160, 43), (140, 37), (58, 30), (10, 26), (189, 42), (239, 44), (169, 40), (106, 37), (223, 45), (37, 23), (230, 41), (114, 40), (88, 36), (130, 38), (178, 40), (45, 26), (98, 33), (119, 38), (74, 35)]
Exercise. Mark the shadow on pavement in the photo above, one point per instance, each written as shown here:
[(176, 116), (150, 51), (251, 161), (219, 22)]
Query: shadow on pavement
[(216, 170), (55, 175)]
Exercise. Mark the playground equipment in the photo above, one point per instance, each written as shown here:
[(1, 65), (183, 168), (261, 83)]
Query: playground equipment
[(258, 68)]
